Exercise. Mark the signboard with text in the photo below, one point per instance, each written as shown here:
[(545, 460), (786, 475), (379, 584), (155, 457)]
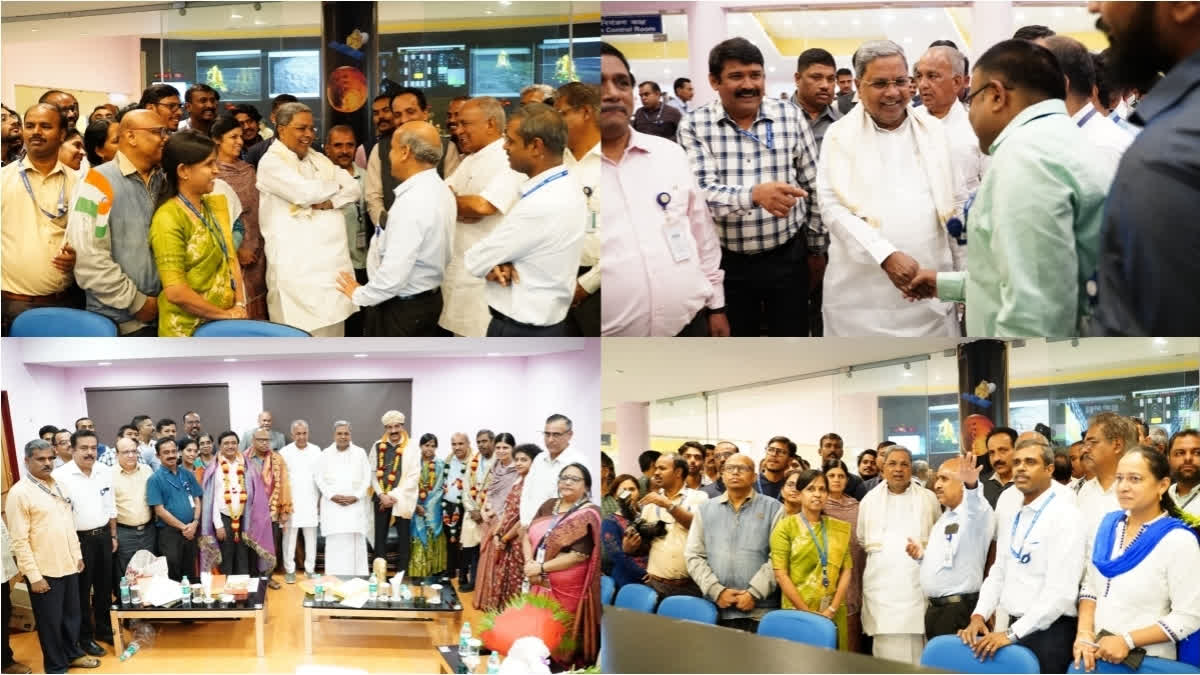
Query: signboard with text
[(634, 24)]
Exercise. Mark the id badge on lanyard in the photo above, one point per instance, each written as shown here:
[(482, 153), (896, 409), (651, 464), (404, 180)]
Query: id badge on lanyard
[(673, 229)]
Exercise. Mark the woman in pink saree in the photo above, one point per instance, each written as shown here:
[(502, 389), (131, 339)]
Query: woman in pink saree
[(562, 559), (501, 562)]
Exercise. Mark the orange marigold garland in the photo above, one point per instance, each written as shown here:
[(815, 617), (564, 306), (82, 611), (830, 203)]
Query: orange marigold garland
[(381, 453), (431, 468), (235, 511)]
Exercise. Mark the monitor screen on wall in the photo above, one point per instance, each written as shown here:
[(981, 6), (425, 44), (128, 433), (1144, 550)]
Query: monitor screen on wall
[(296, 72), (236, 74), (501, 71), (555, 61), (437, 67)]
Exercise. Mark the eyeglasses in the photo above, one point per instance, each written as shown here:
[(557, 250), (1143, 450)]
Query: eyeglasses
[(778, 452), (570, 479), (160, 131), (882, 85), (738, 468), (724, 455), (555, 434), (984, 88), (170, 106)]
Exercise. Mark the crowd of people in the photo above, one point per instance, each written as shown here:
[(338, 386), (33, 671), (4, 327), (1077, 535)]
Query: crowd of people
[(845, 209), (501, 520), (1082, 554), (162, 224)]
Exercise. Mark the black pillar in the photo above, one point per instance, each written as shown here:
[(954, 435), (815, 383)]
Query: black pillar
[(982, 391), (349, 65)]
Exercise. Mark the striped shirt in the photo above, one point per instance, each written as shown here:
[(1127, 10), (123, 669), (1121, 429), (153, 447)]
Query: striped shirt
[(729, 161)]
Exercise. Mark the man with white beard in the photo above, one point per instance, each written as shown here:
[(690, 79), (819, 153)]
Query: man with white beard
[(343, 478)]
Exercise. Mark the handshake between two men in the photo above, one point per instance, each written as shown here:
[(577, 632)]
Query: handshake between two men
[(914, 281)]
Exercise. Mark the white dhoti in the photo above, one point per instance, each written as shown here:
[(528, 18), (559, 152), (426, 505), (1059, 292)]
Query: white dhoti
[(346, 555), (290, 535), (902, 647)]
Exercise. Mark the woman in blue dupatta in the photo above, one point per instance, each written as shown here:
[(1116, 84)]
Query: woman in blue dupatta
[(1140, 589), (428, 557)]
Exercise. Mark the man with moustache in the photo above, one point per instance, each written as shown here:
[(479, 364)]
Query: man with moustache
[(672, 504), (135, 520), (485, 440), (395, 469), (300, 194), (755, 161), (191, 425), (867, 468), (657, 285), (1158, 180), (339, 148), (832, 447), (655, 117), (380, 184), (89, 486), (248, 118), (302, 460), (65, 102), (381, 119), (579, 106), (728, 550), (454, 152), (941, 76), (1183, 455), (877, 245), (37, 258), (693, 453), (1039, 562), (721, 454), (1080, 473), (458, 468), (952, 564), (41, 527), (407, 262), (163, 100), (814, 91), (1000, 442), (1108, 436), (10, 136), (344, 479), (202, 103), (109, 226), (175, 496), (268, 465)]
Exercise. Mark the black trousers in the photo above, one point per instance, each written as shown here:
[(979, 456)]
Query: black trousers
[(470, 564), (179, 552), (95, 586), (129, 541), (584, 320), (277, 539), (235, 555), (769, 287), (412, 317), (697, 327), (505, 326), (740, 623), (57, 615), (1053, 645), (403, 546), (948, 619), (8, 659), (355, 322)]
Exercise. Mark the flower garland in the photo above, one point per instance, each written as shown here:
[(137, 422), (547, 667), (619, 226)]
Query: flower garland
[(473, 480), (381, 453), (426, 487), (235, 510)]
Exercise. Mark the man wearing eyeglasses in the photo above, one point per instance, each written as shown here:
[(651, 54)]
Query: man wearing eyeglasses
[(541, 483), (163, 100), (775, 466), (722, 452), (888, 192), (109, 225), (135, 526), (1039, 562)]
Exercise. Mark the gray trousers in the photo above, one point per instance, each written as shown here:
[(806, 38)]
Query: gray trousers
[(129, 542)]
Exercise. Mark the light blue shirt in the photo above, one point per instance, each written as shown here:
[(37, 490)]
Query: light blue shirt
[(966, 550), (415, 248)]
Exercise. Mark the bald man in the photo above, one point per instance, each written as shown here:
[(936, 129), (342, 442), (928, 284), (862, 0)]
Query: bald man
[(114, 265), (407, 262), (65, 102), (953, 561)]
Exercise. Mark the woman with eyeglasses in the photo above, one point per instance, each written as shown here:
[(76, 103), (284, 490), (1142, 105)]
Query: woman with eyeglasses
[(239, 177), (1140, 588), (204, 452), (622, 567), (503, 478), (191, 236), (428, 557), (562, 560), (810, 552), (842, 506)]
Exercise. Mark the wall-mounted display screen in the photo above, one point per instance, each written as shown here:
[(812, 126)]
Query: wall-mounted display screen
[(435, 67), (501, 71), (295, 72), (236, 74), (558, 68)]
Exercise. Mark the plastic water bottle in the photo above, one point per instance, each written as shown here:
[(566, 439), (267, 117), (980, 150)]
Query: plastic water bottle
[(372, 590), (464, 640), (525, 587), (493, 662), (124, 591), (185, 590), (319, 592), (130, 650)]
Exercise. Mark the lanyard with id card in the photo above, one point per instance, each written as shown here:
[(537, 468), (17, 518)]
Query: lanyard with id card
[(677, 240), (588, 193)]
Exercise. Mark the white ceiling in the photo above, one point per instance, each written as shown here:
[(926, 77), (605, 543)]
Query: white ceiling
[(650, 369), (88, 352)]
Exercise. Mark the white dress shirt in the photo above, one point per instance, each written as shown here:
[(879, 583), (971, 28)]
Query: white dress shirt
[(969, 161), (1161, 590), (1010, 501), (411, 255), (954, 563), (1111, 139), (93, 502), (1094, 503), (542, 237), (220, 508), (1046, 533), (1189, 503), (541, 483), (485, 174), (587, 172)]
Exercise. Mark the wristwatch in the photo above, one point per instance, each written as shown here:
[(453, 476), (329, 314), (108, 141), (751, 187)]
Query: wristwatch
[(1129, 641)]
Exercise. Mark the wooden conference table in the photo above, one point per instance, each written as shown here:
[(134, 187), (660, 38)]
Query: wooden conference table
[(444, 617), (253, 607)]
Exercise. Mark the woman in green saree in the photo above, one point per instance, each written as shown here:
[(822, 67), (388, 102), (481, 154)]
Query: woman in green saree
[(191, 236), (428, 557), (810, 552)]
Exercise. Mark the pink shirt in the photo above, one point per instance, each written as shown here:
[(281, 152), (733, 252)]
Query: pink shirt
[(646, 292)]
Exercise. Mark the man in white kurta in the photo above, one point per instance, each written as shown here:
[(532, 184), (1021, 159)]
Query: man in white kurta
[(941, 75), (893, 512), (343, 477), (301, 194), (303, 461), (486, 188), (888, 191)]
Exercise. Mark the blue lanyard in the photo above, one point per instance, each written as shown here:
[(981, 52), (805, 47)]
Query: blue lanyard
[(1083, 120), (770, 134), (62, 196), (822, 551), (186, 486), (1020, 554), (212, 230), (545, 181)]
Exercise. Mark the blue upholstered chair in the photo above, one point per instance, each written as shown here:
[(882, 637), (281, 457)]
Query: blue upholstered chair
[(247, 328), (949, 653), (688, 607), (608, 589), (798, 626), (62, 322), (637, 597)]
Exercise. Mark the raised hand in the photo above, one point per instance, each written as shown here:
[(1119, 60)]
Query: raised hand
[(968, 470)]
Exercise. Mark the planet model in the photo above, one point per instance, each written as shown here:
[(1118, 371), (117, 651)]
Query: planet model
[(347, 89)]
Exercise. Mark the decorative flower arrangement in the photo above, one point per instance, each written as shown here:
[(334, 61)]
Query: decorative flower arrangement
[(528, 615)]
